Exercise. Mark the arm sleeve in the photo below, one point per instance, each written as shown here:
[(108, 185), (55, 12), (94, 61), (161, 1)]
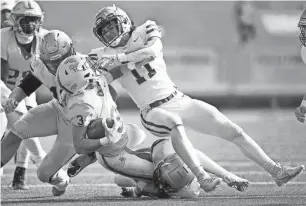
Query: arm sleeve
[(152, 42), (30, 84)]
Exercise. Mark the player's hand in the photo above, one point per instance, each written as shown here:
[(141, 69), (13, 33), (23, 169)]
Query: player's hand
[(133, 65), (107, 61), (9, 105), (300, 113), (114, 133)]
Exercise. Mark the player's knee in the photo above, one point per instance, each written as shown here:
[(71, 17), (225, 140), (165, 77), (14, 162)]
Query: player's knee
[(43, 174), (21, 129), (174, 120), (231, 131)]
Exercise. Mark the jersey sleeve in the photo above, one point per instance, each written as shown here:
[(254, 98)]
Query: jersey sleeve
[(152, 30), (81, 114)]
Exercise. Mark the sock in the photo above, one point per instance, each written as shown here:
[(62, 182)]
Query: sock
[(253, 151)]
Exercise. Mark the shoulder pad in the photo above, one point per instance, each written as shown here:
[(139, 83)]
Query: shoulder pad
[(152, 30)]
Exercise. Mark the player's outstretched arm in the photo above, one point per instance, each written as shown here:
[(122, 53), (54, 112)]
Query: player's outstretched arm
[(152, 48)]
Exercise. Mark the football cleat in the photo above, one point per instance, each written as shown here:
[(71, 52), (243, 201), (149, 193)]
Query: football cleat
[(210, 184), (58, 192), (287, 173), (19, 179), (236, 182), (80, 163)]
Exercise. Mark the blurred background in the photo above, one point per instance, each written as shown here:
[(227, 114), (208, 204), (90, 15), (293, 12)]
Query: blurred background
[(231, 54)]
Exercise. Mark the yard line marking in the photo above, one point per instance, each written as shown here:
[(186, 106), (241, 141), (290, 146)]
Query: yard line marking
[(114, 185), (97, 174), (227, 163)]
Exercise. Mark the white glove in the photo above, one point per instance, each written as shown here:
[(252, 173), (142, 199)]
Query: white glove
[(9, 105), (115, 133), (108, 61), (300, 113)]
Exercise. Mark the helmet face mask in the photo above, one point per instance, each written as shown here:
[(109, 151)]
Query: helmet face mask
[(27, 17), (28, 24), (111, 24), (302, 26)]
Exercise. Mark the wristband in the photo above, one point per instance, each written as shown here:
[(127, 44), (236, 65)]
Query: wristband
[(122, 58)]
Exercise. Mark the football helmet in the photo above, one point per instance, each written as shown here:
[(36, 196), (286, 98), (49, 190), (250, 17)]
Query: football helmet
[(302, 26), (111, 24), (75, 73), (54, 48), (27, 17)]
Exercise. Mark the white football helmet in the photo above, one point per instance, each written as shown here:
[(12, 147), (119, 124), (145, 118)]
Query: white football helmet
[(302, 26), (27, 17), (75, 73), (111, 24), (54, 48)]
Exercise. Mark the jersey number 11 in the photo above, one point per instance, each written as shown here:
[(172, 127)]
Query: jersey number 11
[(140, 79)]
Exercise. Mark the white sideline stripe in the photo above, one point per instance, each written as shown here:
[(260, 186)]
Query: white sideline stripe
[(109, 174), (231, 164), (114, 185)]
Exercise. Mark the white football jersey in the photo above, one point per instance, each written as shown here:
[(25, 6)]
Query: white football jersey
[(92, 104), (303, 54), (18, 59), (150, 82)]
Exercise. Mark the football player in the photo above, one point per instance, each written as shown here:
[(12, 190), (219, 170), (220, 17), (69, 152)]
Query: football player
[(301, 110), (89, 104), (172, 177), (46, 119), (19, 40), (164, 110)]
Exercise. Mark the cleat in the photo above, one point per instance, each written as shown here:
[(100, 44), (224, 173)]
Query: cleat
[(210, 184), (236, 182), (20, 185), (127, 192), (19, 179), (80, 163), (287, 173), (56, 192)]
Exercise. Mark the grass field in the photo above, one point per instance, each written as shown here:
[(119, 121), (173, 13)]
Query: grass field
[(277, 132)]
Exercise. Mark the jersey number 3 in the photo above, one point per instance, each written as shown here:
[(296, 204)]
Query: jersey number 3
[(140, 79)]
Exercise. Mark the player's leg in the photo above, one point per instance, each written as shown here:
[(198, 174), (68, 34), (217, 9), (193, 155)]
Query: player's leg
[(50, 170), (2, 128), (136, 138), (163, 123), (129, 165), (206, 119), (21, 157), (38, 122), (62, 151)]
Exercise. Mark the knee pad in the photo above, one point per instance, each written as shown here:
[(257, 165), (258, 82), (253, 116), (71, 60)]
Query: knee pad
[(20, 128)]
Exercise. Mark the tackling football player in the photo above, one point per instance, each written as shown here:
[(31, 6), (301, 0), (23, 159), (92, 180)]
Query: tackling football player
[(19, 41), (164, 110)]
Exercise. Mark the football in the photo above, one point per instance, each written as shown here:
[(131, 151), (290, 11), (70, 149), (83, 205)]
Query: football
[(96, 130)]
